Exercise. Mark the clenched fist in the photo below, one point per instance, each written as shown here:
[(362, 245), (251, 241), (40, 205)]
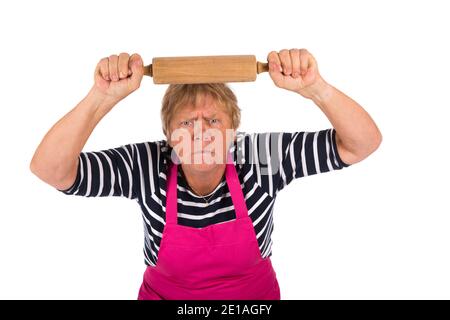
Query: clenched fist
[(295, 70), (118, 75)]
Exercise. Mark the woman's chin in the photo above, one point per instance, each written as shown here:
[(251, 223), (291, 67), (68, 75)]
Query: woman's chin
[(203, 166)]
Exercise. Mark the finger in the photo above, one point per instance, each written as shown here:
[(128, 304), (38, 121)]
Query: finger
[(274, 61), (112, 65), (136, 66), (275, 68), (98, 74), (295, 59), (123, 65), (305, 61), (286, 63), (104, 69)]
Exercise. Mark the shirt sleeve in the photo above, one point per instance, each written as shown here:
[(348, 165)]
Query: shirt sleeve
[(108, 172), (285, 156)]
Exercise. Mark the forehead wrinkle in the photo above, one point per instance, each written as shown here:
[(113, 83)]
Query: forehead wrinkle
[(196, 99), (208, 111)]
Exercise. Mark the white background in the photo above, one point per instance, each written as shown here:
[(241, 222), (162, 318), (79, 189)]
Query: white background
[(376, 230)]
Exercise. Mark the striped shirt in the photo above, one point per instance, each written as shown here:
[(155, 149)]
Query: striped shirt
[(265, 163)]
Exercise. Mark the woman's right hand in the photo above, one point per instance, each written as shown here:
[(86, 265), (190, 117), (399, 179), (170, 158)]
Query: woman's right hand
[(118, 75)]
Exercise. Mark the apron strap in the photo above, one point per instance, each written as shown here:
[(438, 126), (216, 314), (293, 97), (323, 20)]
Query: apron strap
[(234, 185)]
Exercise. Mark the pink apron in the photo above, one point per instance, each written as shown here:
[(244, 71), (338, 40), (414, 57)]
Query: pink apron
[(219, 262)]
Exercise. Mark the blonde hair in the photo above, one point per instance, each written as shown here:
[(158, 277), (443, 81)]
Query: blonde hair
[(178, 95)]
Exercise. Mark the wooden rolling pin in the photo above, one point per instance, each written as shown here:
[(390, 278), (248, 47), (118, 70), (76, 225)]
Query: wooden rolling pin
[(205, 69)]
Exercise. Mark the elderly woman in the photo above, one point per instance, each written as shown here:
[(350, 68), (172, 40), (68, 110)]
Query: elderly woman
[(207, 192)]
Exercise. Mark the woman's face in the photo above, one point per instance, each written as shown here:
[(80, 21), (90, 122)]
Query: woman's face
[(201, 135)]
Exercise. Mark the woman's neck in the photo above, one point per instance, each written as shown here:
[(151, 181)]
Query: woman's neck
[(204, 182)]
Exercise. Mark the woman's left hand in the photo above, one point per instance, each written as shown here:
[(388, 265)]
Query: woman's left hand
[(295, 70)]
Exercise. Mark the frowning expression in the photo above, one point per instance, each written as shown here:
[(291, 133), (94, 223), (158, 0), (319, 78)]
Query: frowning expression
[(201, 134)]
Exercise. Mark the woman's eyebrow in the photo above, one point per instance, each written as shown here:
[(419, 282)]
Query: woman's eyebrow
[(193, 118), (211, 116), (185, 117)]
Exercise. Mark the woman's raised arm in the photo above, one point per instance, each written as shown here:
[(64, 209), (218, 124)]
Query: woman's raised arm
[(357, 135), (55, 160)]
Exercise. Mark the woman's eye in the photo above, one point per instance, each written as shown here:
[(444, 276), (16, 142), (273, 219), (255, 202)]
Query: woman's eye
[(214, 121), (185, 123)]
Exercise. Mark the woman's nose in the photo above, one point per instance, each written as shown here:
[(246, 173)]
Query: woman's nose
[(202, 136), (200, 130)]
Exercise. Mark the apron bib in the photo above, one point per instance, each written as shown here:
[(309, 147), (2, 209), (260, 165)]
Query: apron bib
[(219, 262)]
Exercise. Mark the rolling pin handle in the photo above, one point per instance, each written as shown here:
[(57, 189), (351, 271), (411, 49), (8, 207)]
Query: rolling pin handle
[(261, 67), (148, 70)]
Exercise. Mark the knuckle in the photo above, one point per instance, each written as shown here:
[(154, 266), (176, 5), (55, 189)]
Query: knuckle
[(303, 51), (103, 63), (135, 56), (271, 53)]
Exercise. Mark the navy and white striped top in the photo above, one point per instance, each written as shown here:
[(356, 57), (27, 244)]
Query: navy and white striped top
[(265, 163)]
